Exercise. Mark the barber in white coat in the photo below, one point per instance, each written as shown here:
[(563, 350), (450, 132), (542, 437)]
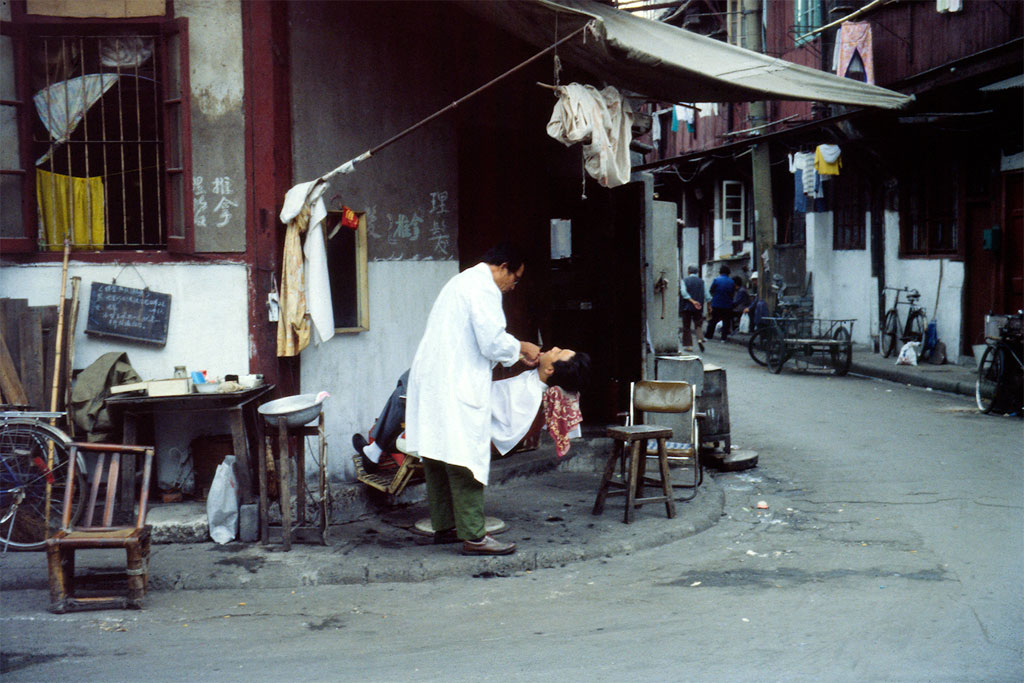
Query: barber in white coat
[(448, 410)]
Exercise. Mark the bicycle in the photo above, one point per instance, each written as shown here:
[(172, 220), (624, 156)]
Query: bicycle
[(914, 328), (33, 454), (786, 308), (1001, 369)]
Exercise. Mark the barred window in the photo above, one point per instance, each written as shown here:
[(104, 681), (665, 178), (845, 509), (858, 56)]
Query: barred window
[(101, 116), (849, 216), (929, 201)]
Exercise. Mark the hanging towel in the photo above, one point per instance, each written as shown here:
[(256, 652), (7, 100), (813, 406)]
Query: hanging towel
[(855, 38), (603, 116), (828, 159), (562, 416), (804, 162), (65, 200), (305, 297)]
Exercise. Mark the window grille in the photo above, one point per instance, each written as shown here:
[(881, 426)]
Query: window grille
[(849, 216), (101, 119)]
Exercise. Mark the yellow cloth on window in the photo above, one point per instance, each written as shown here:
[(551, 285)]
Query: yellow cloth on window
[(67, 200)]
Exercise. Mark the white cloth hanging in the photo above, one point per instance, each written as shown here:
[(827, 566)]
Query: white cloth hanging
[(604, 117)]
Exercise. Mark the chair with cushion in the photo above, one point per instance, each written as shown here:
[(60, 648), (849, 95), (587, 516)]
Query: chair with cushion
[(119, 523)]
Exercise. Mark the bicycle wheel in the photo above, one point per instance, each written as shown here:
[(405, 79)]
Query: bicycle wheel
[(842, 353), (890, 333), (776, 351), (914, 331), (25, 446), (758, 346), (990, 372)]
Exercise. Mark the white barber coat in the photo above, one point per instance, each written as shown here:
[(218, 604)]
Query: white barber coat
[(448, 405)]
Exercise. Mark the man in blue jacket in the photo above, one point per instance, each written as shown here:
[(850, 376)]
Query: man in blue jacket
[(722, 291)]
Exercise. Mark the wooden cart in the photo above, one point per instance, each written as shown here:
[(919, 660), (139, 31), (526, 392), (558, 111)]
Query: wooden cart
[(806, 339)]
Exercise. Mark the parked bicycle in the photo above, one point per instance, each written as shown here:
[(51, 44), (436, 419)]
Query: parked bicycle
[(1000, 385), (33, 453), (913, 330), (787, 307)]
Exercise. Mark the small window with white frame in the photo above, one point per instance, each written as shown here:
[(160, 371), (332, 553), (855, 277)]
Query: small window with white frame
[(734, 210)]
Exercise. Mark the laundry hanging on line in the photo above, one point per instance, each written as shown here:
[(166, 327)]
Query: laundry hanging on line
[(604, 118)]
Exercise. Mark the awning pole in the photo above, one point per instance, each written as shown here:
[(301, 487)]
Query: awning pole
[(349, 166)]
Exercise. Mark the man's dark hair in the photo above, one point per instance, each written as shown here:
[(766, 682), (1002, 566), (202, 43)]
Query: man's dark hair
[(738, 280), (692, 270), (506, 253), (724, 270), (571, 374)]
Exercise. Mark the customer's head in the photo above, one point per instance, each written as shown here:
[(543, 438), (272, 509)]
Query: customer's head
[(507, 265), (724, 270), (691, 270), (564, 368)]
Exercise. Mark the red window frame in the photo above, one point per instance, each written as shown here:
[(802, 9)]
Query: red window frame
[(172, 36)]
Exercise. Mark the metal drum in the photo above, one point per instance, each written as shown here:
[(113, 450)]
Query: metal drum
[(714, 403)]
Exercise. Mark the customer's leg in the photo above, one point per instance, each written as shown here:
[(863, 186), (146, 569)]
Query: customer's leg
[(439, 495), (467, 496), (391, 421)]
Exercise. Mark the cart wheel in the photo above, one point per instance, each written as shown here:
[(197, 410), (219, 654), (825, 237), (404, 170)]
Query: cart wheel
[(776, 351), (842, 352)]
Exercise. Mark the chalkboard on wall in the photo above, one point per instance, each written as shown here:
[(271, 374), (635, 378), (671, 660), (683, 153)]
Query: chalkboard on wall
[(137, 315)]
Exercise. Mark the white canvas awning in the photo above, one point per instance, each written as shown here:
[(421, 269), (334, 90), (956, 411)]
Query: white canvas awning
[(671, 64)]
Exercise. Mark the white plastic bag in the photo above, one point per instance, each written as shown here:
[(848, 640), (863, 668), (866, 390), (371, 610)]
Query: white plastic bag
[(744, 326), (222, 503), (908, 354)]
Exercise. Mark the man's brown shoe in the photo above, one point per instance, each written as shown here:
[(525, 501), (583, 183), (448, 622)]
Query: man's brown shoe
[(487, 546)]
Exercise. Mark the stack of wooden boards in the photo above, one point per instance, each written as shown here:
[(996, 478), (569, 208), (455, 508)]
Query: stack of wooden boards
[(28, 353)]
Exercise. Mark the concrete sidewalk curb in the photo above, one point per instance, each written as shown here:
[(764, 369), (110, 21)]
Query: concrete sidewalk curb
[(548, 514)]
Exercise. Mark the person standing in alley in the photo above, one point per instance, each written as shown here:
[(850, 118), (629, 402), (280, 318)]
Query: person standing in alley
[(691, 308), (722, 291), (448, 411)]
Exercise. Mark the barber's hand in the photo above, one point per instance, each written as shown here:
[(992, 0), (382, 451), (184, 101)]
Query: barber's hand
[(696, 304), (530, 352)]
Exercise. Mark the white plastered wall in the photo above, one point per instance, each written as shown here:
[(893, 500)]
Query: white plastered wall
[(934, 278), (360, 370), (844, 287), (207, 327)]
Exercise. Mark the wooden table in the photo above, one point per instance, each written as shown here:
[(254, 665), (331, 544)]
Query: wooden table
[(240, 407)]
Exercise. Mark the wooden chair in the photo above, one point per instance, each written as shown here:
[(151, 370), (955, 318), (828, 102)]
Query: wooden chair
[(630, 446), (115, 472)]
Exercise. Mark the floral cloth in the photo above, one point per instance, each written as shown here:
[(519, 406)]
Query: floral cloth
[(562, 415)]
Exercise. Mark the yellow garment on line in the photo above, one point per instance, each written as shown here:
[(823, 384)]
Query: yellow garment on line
[(67, 200), (293, 324)]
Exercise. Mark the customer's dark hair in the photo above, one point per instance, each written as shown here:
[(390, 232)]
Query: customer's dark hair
[(571, 374), (724, 270), (506, 253)]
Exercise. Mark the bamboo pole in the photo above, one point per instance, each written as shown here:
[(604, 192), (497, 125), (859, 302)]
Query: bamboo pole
[(76, 282), (56, 372)]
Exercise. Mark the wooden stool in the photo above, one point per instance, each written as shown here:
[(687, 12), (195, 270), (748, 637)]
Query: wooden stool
[(301, 529), (634, 438)]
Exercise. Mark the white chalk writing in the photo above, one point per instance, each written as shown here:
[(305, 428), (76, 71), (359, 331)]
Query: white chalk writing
[(222, 212)]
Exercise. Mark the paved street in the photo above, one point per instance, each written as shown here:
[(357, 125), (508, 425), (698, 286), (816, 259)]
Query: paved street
[(890, 548)]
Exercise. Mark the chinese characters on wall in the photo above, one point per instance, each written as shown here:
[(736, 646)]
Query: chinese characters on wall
[(212, 205)]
